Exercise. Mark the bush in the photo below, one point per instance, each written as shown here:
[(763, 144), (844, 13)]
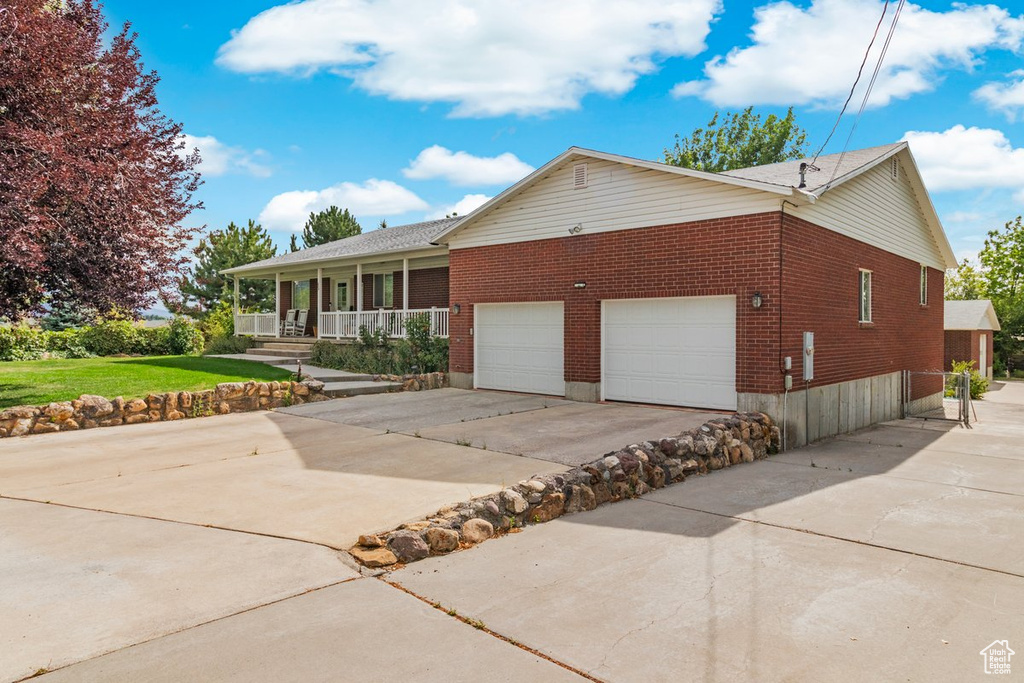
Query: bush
[(113, 337), (219, 345), (377, 354), (220, 322), (978, 384), (22, 342), (66, 343), (184, 338)]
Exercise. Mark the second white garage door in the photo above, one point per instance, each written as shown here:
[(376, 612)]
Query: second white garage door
[(519, 347), (679, 352)]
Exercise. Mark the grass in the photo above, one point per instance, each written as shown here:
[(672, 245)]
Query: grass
[(36, 382)]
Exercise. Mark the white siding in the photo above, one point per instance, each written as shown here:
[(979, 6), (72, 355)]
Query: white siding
[(617, 197), (875, 209)]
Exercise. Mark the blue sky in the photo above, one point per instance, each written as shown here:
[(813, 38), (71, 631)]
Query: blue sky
[(405, 110)]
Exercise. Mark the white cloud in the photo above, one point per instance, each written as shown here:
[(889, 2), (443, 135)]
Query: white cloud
[(488, 58), (289, 210), (968, 158), (462, 168), (810, 56), (1006, 97), (220, 159), (462, 207)]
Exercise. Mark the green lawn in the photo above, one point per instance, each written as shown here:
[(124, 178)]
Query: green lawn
[(35, 382)]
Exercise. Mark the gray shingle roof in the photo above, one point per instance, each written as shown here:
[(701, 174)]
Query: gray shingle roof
[(787, 173), (976, 314), (392, 239)]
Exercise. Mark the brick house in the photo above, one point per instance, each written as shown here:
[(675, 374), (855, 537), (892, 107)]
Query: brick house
[(970, 330), (602, 277)]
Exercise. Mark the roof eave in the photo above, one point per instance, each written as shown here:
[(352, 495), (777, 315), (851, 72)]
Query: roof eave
[(425, 250)]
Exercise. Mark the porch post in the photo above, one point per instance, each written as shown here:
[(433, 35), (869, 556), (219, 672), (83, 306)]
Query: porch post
[(277, 304), (405, 284), (319, 298), (238, 303), (359, 287)]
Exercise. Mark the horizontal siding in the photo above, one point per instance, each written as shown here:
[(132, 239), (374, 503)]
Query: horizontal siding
[(874, 209), (617, 197)]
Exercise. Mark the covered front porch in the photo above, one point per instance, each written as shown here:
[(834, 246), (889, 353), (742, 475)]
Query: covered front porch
[(340, 298)]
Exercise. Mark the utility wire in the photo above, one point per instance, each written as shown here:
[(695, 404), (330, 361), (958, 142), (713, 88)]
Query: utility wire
[(853, 88), (867, 91)]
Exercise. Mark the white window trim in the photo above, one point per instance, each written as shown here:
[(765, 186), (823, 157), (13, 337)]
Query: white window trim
[(384, 303), (295, 285), (923, 286), (860, 297)]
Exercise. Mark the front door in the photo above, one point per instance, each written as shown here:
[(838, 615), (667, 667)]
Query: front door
[(341, 301)]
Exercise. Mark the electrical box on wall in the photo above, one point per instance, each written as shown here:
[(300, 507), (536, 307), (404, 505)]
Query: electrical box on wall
[(808, 356)]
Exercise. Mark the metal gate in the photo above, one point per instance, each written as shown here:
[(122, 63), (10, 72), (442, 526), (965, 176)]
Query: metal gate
[(937, 396)]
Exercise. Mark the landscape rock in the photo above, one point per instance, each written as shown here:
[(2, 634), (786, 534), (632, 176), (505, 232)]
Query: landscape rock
[(477, 530), (441, 540), (408, 546), (374, 557)]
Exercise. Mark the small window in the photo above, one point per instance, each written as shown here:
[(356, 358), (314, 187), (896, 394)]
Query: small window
[(865, 296), (300, 294), (924, 286), (383, 290)]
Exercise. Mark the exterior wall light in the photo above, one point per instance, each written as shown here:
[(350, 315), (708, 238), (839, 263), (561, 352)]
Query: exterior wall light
[(580, 285), (456, 308), (756, 300)]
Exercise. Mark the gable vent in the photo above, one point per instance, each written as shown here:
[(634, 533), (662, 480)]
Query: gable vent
[(579, 176), (894, 168)]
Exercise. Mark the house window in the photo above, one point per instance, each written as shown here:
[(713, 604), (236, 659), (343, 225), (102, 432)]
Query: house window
[(924, 286), (383, 290), (865, 296), (341, 302), (300, 294)]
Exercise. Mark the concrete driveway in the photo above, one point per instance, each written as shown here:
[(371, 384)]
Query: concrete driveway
[(890, 554), (113, 537)]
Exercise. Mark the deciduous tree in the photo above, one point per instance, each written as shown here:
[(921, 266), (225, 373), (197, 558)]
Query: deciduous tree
[(738, 141), (1002, 262), (94, 183)]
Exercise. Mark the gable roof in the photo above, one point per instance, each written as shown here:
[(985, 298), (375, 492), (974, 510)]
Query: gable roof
[(394, 239), (833, 168), (976, 314), (781, 179)]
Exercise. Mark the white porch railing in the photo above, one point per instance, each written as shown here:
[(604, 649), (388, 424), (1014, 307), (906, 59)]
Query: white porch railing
[(256, 324), (346, 324)]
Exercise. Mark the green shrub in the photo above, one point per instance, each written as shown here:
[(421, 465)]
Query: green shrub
[(185, 338), (221, 345), (377, 354), (113, 337), (22, 342), (978, 384), (220, 322), (66, 343)]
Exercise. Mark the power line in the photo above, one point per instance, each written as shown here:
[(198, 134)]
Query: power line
[(856, 80), (867, 91)]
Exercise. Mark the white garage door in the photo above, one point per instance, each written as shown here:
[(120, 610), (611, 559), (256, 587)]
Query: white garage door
[(519, 347), (679, 352)]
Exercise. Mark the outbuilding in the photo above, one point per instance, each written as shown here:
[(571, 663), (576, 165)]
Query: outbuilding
[(970, 331)]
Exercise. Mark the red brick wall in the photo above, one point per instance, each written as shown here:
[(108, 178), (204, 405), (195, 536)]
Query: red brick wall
[(960, 345), (737, 256), (285, 296), (428, 287), (820, 295)]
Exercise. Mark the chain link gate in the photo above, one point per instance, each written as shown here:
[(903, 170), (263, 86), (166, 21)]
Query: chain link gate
[(937, 396)]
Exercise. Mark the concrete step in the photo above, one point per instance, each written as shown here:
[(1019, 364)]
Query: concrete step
[(329, 375), (340, 389), (281, 353), (287, 346)]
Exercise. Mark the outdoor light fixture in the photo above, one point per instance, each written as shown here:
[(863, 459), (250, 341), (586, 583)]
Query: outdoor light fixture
[(756, 300), (456, 308), (580, 285)]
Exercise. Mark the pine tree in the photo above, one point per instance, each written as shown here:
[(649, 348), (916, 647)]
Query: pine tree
[(329, 225)]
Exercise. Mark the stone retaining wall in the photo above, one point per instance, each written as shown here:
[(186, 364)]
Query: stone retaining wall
[(430, 380), (628, 473), (89, 411)]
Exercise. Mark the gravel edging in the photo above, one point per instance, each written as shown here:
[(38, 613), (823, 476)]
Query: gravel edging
[(627, 473)]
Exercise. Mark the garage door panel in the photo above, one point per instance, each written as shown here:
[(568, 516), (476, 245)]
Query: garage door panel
[(519, 347), (678, 351)]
